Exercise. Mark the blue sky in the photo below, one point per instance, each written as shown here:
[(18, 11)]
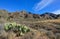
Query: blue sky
[(34, 6)]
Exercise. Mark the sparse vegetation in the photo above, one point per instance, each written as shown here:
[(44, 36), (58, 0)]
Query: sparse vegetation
[(23, 25), (16, 28)]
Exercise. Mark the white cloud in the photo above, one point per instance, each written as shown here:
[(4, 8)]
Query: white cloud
[(56, 11), (42, 4)]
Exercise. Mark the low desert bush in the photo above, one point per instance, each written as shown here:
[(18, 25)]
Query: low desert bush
[(16, 28)]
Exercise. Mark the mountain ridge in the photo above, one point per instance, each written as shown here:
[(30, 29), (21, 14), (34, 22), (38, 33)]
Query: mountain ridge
[(25, 14)]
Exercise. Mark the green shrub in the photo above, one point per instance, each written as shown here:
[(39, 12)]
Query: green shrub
[(16, 28)]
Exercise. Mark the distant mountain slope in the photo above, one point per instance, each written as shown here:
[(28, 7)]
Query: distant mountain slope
[(24, 15)]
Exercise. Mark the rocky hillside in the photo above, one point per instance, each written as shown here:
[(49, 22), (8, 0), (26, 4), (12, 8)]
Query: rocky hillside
[(43, 26), (27, 15)]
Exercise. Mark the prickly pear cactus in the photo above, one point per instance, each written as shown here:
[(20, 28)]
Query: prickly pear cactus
[(16, 28)]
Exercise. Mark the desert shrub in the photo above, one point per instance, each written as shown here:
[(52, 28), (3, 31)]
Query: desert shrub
[(16, 28)]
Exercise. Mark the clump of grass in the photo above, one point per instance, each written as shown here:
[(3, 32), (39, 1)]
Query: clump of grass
[(58, 36), (11, 35)]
